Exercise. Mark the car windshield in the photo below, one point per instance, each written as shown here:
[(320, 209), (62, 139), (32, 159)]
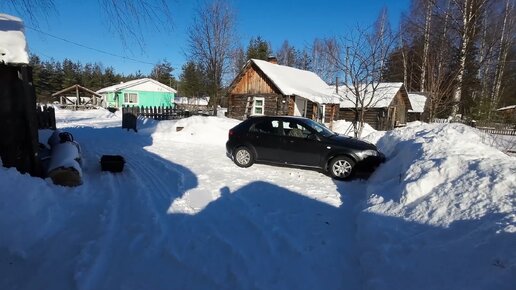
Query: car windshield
[(321, 129)]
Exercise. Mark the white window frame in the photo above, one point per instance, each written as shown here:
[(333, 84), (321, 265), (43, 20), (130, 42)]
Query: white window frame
[(255, 99), (127, 98)]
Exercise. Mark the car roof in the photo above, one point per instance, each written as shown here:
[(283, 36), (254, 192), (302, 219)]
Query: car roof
[(277, 117)]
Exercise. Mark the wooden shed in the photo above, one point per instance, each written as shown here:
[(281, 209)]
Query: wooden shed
[(389, 104), (78, 97), (418, 103), (508, 114), (266, 88)]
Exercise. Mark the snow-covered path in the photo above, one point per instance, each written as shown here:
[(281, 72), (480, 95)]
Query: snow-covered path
[(183, 216)]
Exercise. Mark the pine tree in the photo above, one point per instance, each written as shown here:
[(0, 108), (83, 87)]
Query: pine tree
[(162, 72), (191, 80), (258, 49)]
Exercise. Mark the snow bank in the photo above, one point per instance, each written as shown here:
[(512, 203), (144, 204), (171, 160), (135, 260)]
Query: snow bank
[(13, 47), (96, 118), (30, 210), (443, 204), (346, 128), (196, 129)]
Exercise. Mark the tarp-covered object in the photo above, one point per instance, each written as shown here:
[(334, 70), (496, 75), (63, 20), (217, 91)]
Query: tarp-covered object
[(65, 161), (13, 47)]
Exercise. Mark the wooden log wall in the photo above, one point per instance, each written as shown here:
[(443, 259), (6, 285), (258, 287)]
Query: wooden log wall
[(19, 143), (254, 81), (374, 117), (273, 104)]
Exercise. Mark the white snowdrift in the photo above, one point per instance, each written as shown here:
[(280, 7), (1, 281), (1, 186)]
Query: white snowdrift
[(440, 212), (97, 118), (346, 128), (196, 129), (13, 47)]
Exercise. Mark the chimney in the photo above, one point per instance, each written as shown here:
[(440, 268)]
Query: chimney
[(337, 85), (272, 59)]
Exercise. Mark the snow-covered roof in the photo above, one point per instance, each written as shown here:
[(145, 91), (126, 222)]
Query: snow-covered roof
[(417, 101), (202, 101), (13, 46), (507, 108), (383, 95), (292, 81), (145, 84)]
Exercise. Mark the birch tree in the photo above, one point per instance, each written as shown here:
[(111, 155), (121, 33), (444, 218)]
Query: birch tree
[(210, 41), (506, 42), (361, 57), (287, 54), (426, 43), (323, 65), (469, 13)]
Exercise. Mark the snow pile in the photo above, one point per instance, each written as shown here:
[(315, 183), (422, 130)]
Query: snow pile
[(97, 118), (196, 129), (346, 128), (440, 212), (13, 47), (30, 211)]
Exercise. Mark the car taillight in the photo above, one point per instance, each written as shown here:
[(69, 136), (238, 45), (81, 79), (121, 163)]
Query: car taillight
[(231, 133)]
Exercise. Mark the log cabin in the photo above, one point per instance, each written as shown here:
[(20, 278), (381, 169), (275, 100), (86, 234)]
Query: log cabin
[(388, 104), (267, 88), (508, 114)]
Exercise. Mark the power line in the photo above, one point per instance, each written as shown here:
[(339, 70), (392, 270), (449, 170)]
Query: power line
[(88, 47)]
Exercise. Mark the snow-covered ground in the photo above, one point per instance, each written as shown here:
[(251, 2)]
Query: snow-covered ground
[(439, 214)]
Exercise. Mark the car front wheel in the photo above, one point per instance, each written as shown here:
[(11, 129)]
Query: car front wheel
[(243, 157), (341, 167)]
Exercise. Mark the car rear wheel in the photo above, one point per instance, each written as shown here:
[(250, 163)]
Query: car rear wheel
[(341, 167), (243, 157)]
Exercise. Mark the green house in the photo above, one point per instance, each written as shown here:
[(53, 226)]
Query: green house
[(142, 92)]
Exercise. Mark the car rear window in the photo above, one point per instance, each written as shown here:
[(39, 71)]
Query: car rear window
[(271, 127)]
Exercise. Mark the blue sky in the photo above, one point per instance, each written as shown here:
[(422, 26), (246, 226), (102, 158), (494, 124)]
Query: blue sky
[(299, 22)]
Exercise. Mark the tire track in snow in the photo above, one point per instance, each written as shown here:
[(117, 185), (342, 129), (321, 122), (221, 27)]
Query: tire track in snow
[(90, 278), (124, 219)]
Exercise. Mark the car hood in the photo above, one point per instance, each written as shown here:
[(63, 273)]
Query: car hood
[(351, 142)]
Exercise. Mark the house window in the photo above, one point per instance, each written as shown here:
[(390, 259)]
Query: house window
[(258, 106), (130, 98)]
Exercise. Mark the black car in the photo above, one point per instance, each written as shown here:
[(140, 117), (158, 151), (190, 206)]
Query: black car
[(300, 142)]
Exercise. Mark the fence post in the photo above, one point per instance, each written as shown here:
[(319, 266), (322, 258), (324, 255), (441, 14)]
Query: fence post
[(129, 118)]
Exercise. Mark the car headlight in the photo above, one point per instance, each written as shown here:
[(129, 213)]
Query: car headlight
[(367, 153)]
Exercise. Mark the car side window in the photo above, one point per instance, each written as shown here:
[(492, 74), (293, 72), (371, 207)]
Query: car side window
[(293, 129), (267, 127)]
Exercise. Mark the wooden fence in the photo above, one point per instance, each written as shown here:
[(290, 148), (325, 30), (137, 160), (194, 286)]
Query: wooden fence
[(498, 132), (487, 127), (46, 117), (131, 114), (156, 113)]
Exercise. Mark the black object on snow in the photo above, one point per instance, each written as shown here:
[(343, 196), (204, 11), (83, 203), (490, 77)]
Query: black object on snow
[(65, 137), (112, 163)]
